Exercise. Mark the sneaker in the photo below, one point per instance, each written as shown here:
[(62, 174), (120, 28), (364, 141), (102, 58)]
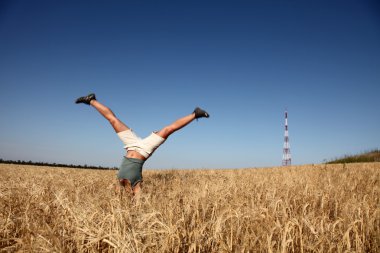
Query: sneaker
[(199, 113), (86, 99)]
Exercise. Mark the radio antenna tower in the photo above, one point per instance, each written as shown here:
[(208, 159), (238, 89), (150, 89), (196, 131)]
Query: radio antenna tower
[(286, 157)]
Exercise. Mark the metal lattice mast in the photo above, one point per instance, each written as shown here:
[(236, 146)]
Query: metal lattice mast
[(286, 157)]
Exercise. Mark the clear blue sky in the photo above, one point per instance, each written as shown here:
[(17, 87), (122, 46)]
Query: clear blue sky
[(154, 61)]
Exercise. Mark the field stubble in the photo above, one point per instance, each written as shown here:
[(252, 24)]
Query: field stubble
[(311, 208)]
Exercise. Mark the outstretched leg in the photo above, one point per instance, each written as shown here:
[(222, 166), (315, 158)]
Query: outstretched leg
[(103, 110), (182, 122), (109, 115)]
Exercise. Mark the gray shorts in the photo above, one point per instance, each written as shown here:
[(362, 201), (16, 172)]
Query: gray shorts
[(145, 146)]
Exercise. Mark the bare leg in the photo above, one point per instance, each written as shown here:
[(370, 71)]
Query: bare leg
[(109, 115), (176, 125)]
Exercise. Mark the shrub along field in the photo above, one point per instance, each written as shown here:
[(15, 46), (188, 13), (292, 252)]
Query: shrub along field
[(311, 208), (369, 156)]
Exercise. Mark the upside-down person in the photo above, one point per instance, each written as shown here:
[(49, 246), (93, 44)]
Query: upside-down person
[(138, 150)]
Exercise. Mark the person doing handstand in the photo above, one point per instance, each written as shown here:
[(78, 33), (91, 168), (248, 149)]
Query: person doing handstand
[(138, 150)]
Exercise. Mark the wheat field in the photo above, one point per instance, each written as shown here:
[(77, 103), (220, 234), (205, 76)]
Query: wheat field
[(310, 208)]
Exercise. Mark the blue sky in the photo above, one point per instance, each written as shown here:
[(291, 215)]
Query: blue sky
[(154, 61)]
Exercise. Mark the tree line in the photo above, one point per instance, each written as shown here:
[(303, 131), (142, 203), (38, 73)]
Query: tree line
[(365, 157), (56, 165)]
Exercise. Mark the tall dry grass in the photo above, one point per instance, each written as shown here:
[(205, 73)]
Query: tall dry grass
[(322, 208)]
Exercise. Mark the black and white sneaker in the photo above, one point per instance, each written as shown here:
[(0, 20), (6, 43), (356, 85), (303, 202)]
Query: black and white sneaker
[(86, 99), (200, 113)]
